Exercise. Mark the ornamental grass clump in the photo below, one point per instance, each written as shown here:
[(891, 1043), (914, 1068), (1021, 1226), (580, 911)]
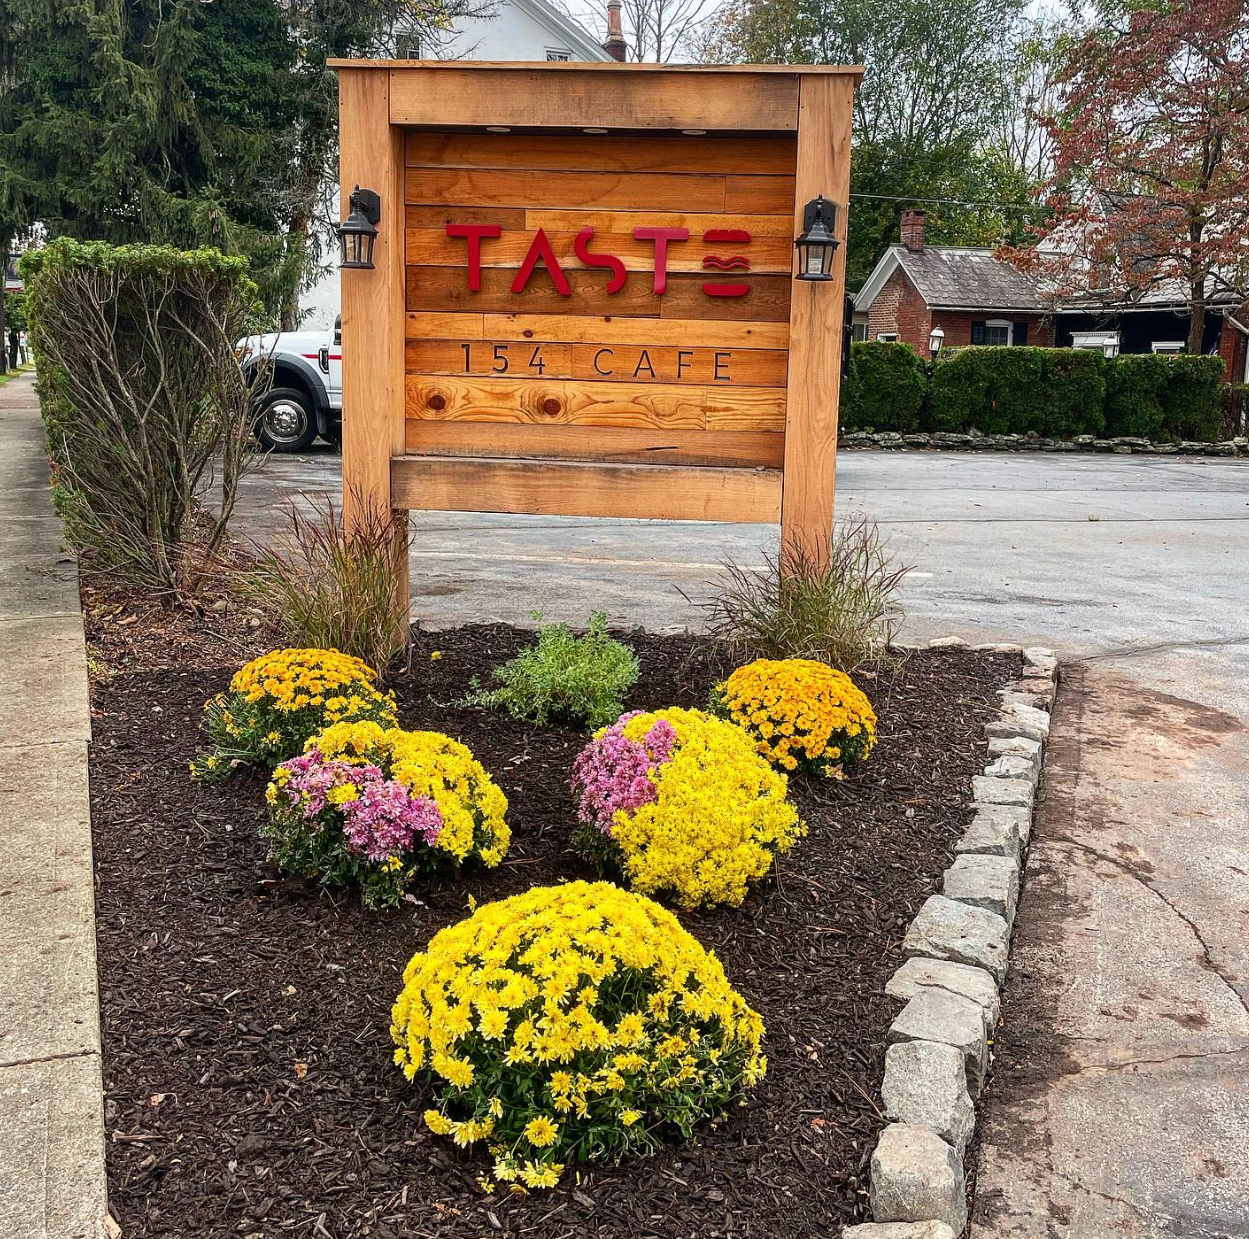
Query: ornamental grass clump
[(574, 1023), (377, 807), (331, 586), (841, 608), (278, 701), (565, 679), (678, 800), (801, 714)]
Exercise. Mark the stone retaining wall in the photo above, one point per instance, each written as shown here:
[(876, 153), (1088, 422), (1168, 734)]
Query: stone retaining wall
[(957, 948), (1124, 446)]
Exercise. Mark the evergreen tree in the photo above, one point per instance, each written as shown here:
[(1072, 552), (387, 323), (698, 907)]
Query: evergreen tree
[(150, 120)]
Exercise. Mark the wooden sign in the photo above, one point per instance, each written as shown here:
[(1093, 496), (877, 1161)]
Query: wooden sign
[(583, 300)]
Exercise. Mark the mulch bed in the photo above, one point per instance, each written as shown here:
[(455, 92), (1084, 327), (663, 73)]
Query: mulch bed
[(247, 1065)]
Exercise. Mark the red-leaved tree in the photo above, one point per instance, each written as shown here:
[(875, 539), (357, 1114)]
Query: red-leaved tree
[(1151, 157)]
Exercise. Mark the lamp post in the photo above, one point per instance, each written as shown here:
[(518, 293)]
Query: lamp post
[(358, 232), (936, 338), (817, 245)]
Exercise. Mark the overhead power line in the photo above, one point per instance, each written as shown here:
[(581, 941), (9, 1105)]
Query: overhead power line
[(1008, 206)]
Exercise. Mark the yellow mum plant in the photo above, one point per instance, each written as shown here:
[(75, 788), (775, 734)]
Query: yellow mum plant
[(801, 714), (679, 800), (279, 700), (572, 1023)]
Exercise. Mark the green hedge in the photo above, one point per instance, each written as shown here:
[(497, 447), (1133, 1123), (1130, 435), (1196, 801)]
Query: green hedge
[(1160, 396), (1057, 393), (1053, 392), (885, 388)]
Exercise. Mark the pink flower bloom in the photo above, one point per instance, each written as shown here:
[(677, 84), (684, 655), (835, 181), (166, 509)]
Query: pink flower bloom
[(614, 773), (382, 820)]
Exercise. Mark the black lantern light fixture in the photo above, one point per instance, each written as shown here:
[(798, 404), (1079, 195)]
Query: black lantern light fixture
[(358, 232), (817, 245), (936, 338)]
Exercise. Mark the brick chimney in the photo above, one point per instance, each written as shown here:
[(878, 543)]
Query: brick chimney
[(615, 47), (913, 225)]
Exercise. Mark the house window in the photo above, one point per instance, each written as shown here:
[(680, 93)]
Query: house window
[(407, 45), (858, 332), (999, 333), (1167, 346), (887, 337), (554, 53)]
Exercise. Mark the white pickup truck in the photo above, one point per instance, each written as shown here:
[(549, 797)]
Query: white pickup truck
[(303, 399)]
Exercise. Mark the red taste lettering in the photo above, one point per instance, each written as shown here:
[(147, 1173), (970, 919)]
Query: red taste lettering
[(540, 248)]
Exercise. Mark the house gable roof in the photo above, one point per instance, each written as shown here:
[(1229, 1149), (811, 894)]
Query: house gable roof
[(952, 277), (564, 27)]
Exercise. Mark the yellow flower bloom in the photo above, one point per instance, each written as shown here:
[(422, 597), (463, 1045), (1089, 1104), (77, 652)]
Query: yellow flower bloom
[(535, 1175), (720, 816), (563, 1071), (439, 1124), (799, 706), (541, 1132)]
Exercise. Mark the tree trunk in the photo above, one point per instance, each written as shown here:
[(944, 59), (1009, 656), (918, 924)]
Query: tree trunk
[(1196, 318), (289, 318), (6, 239)]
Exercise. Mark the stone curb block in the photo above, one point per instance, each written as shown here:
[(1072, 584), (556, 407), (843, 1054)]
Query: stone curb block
[(898, 1230), (925, 1084), (917, 1177), (957, 949), (962, 979)]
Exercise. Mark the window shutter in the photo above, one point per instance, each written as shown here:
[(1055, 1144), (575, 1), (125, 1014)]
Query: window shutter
[(977, 332), (1021, 333)]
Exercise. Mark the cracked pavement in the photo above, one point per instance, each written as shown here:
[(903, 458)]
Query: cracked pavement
[(1119, 1103)]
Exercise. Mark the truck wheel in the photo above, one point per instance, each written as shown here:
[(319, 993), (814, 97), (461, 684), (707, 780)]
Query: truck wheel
[(285, 421)]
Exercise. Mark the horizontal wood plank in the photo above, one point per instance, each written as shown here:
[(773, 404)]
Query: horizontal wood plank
[(576, 488), (429, 247), (438, 217), (626, 221), (580, 98), (619, 363), (601, 153), (564, 402), (445, 289), (636, 191), (620, 445), (591, 329)]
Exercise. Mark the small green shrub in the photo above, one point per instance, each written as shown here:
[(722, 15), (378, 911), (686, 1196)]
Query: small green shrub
[(563, 678), (1190, 402), (1046, 391), (1135, 383), (1163, 396), (1075, 388), (885, 388), (143, 400), (843, 612)]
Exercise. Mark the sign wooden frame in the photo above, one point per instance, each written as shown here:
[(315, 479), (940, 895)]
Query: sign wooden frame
[(542, 331)]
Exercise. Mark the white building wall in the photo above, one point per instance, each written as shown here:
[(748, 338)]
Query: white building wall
[(519, 30)]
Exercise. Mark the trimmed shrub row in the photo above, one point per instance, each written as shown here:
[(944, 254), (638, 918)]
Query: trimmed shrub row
[(1053, 392)]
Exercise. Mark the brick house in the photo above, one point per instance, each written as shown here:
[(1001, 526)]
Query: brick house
[(977, 299), (972, 296)]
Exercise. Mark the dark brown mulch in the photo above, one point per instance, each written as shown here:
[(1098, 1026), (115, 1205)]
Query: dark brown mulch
[(250, 1089)]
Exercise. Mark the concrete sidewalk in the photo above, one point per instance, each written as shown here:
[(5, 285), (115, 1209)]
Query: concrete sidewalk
[(51, 1100)]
